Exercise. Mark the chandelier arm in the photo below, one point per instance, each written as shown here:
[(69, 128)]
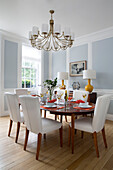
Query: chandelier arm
[(56, 43), (48, 45), (63, 42), (53, 48), (66, 42), (64, 39), (43, 42), (44, 34)]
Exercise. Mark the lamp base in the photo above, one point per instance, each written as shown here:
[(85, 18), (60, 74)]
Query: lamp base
[(89, 87), (63, 87)]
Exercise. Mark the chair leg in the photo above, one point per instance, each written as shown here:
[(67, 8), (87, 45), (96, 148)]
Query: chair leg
[(69, 139), (44, 113), (61, 136), (104, 137), (44, 135), (82, 134), (17, 132), (10, 126), (96, 144), (26, 139), (38, 145)]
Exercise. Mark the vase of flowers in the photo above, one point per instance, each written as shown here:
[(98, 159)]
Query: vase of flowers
[(50, 85)]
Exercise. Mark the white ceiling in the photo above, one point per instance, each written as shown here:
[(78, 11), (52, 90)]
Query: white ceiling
[(83, 16)]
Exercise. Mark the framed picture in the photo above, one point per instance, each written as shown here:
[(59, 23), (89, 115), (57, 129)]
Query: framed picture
[(76, 68)]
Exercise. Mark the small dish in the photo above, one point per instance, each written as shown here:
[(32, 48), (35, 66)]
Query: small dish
[(88, 106), (50, 106), (83, 104), (73, 100)]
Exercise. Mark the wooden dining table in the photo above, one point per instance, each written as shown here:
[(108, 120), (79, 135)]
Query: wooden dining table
[(69, 110)]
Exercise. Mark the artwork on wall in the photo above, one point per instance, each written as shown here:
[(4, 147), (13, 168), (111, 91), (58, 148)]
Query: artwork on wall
[(76, 68)]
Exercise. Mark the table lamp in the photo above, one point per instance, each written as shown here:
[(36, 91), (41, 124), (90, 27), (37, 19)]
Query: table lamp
[(62, 76), (89, 75)]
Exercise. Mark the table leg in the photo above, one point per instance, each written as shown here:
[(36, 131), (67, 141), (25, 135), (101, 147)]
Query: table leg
[(61, 118), (72, 132), (44, 113)]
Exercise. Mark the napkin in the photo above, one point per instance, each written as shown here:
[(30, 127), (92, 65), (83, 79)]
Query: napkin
[(80, 101), (52, 101), (69, 98)]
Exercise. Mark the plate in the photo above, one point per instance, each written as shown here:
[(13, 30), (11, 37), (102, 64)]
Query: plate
[(88, 106), (73, 100), (50, 106), (59, 102)]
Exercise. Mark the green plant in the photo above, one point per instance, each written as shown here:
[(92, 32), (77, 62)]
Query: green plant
[(50, 85)]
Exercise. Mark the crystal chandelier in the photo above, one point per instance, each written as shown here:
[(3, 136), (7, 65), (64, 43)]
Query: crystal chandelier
[(52, 39)]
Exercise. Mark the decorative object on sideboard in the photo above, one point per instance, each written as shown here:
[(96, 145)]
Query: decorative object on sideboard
[(52, 39), (62, 76), (76, 85), (76, 68), (89, 75)]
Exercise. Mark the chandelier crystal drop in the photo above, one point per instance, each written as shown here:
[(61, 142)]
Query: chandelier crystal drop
[(52, 39)]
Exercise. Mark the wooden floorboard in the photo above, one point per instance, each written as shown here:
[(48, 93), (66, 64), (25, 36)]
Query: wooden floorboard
[(52, 156)]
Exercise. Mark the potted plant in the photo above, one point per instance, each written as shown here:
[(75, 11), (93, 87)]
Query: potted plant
[(50, 85)]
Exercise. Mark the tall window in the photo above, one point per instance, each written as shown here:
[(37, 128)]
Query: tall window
[(31, 67)]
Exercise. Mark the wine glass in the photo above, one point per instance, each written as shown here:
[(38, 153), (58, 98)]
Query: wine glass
[(59, 97), (84, 97), (41, 97)]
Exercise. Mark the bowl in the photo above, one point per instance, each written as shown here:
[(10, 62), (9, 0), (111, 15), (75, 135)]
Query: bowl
[(83, 104), (50, 104)]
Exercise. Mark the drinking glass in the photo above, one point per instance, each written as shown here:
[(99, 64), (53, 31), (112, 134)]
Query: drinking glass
[(84, 97)]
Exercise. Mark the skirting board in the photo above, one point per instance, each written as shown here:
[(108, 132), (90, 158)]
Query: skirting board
[(109, 117), (5, 114)]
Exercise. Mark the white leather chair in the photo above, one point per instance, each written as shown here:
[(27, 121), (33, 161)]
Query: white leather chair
[(14, 111), (21, 91), (78, 95), (95, 124), (34, 122)]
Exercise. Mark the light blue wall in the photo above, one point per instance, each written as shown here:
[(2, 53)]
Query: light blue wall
[(5, 104), (10, 64), (102, 62), (110, 110), (58, 63), (78, 53), (46, 65)]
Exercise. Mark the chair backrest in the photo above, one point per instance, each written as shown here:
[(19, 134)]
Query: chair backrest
[(31, 111), (13, 106), (78, 94), (21, 91), (101, 108)]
